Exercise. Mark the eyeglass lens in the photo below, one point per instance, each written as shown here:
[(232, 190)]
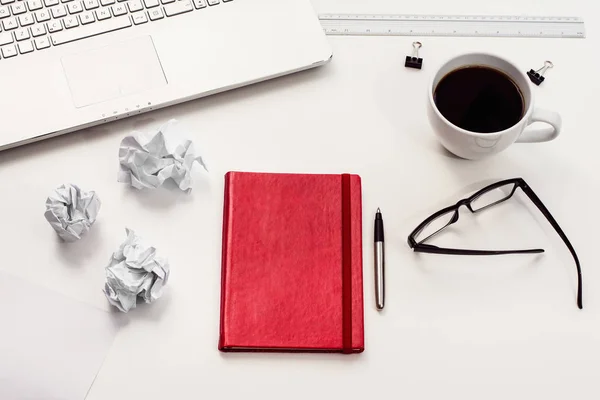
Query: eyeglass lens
[(435, 226), (492, 197), (484, 200)]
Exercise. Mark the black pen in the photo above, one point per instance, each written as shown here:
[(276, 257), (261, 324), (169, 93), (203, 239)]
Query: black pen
[(379, 262)]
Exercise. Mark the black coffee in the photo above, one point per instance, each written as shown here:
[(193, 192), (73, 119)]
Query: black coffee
[(479, 99)]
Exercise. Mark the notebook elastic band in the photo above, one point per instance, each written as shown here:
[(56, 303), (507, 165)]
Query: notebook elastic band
[(347, 263)]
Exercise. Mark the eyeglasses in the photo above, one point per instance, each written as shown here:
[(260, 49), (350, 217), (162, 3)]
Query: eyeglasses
[(487, 197)]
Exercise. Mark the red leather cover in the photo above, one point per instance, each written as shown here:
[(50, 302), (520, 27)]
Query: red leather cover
[(292, 263)]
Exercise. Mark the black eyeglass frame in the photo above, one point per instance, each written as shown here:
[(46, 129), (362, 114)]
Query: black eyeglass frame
[(421, 247)]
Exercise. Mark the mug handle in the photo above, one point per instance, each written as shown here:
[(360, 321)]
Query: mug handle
[(545, 134)]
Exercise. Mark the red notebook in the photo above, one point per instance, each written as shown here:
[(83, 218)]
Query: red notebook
[(292, 263)]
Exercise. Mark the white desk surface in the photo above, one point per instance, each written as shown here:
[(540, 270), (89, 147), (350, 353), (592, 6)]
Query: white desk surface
[(453, 327)]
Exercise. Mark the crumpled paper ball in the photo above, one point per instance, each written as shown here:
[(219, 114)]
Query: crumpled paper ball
[(148, 160), (135, 270), (71, 211)]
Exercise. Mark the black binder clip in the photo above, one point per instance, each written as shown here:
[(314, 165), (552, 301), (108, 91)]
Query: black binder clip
[(537, 77), (414, 61)]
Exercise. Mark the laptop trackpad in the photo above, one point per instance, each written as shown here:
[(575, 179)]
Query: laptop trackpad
[(113, 71)]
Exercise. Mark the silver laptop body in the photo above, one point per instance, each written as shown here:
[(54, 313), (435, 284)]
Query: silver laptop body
[(66, 65)]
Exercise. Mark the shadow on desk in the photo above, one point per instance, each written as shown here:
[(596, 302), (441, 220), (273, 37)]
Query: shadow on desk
[(142, 311), (269, 357), (77, 254), (167, 196)]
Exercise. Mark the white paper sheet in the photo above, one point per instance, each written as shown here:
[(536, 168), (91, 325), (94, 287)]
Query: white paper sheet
[(51, 347)]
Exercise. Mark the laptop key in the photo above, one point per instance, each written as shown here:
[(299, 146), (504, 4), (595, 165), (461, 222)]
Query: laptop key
[(90, 4), (9, 51), (87, 18), (10, 23), (22, 34), (178, 7), (25, 47), (5, 38), (75, 7), (42, 15), (54, 26), (199, 4), (86, 31), (213, 2), (26, 20), (18, 8), (102, 14), (135, 5), (151, 3), (4, 12), (58, 11), (119, 9), (42, 43), (71, 22), (139, 18), (38, 30), (34, 5), (155, 14)]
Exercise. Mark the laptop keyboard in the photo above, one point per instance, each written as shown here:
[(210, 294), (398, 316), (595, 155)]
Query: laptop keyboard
[(32, 25)]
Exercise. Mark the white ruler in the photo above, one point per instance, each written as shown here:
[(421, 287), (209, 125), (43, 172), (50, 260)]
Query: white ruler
[(452, 25)]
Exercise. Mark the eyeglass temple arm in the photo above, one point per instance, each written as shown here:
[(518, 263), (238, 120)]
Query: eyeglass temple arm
[(428, 248), (536, 200)]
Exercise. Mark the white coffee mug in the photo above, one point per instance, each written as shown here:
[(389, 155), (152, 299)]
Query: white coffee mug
[(474, 145)]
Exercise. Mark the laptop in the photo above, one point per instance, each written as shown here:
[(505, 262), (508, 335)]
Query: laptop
[(70, 64)]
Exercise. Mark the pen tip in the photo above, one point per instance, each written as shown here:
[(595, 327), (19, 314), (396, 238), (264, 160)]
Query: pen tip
[(378, 210)]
